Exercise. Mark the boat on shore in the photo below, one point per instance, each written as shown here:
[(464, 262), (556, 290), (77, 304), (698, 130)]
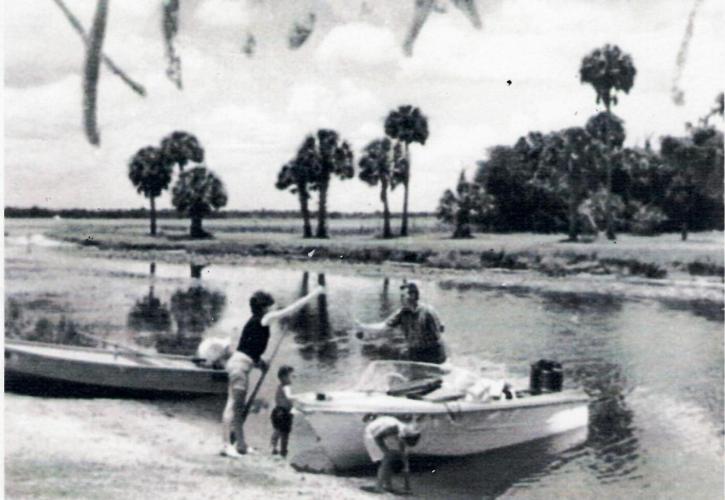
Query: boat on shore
[(454, 415), (110, 369)]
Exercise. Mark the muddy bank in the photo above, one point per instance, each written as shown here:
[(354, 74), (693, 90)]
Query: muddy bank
[(114, 448)]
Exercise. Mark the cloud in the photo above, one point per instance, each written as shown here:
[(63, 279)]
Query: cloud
[(252, 114), (222, 13), (360, 46)]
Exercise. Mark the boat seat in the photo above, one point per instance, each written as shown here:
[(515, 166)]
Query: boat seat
[(416, 388)]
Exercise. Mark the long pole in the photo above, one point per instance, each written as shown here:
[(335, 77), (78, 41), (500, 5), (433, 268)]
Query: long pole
[(253, 395)]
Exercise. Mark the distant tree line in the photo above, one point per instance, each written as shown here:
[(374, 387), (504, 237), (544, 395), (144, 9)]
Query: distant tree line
[(35, 212), (582, 179)]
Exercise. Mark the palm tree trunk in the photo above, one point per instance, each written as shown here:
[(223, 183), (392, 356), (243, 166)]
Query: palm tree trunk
[(685, 218), (196, 229), (406, 183), (304, 208), (322, 211), (91, 71), (608, 209), (153, 216), (573, 233), (608, 205), (386, 210)]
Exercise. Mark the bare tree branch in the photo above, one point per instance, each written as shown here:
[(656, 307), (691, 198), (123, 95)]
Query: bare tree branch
[(91, 72), (73, 20)]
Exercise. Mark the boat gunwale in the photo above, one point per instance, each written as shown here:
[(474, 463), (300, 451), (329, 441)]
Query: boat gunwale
[(19, 344), (442, 407)]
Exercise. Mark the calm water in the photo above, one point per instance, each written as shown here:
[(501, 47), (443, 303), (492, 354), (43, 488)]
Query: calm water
[(654, 367)]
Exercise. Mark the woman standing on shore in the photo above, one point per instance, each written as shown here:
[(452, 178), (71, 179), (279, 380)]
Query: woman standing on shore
[(248, 355)]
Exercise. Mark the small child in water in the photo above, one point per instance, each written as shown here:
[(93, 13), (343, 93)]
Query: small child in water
[(282, 413)]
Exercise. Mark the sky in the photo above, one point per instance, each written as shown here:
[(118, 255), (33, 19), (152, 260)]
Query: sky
[(251, 114)]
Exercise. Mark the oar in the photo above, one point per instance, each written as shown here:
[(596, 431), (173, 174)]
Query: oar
[(124, 347), (253, 395), (114, 344)]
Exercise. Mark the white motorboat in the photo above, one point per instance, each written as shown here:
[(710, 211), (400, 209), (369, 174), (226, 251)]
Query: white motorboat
[(458, 412)]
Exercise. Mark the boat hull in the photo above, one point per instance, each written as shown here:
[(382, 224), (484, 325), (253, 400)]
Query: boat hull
[(38, 362), (451, 429)]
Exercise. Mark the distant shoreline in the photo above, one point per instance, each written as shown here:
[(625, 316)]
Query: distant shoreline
[(355, 241), (168, 213)]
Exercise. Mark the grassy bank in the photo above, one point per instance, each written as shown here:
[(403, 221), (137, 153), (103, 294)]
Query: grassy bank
[(354, 240), (651, 257)]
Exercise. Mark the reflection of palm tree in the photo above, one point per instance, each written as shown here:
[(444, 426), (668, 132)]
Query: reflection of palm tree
[(299, 322), (149, 314), (323, 318), (194, 310), (386, 305), (196, 270), (393, 346), (313, 329)]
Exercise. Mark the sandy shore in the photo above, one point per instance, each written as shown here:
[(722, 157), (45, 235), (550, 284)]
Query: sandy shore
[(114, 448)]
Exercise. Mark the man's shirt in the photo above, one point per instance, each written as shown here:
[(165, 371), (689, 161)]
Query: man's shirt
[(421, 327)]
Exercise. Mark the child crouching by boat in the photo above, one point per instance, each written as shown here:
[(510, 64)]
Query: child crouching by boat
[(376, 439), (282, 413)]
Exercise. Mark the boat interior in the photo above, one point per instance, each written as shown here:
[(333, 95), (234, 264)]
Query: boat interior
[(434, 383)]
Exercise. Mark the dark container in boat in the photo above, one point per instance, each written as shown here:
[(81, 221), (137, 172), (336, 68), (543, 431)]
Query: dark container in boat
[(545, 376)]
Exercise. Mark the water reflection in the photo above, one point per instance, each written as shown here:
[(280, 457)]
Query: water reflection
[(708, 309), (391, 346), (193, 310), (313, 329), (582, 303), (386, 304), (196, 270), (149, 314), (612, 433), (491, 474)]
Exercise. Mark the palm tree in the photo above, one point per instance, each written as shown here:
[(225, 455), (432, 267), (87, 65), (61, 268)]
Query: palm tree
[(406, 124), (179, 148), (608, 132), (470, 202), (567, 168), (196, 194), (150, 174), (608, 70), (297, 176), (380, 162), (694, 164), (325, 155)]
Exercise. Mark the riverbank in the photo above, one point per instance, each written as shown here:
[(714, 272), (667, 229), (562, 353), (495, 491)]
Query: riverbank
[(649, 257), (117, 449)]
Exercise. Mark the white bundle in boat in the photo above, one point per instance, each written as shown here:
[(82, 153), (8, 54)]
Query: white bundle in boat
[(485, 389), (214, 352)]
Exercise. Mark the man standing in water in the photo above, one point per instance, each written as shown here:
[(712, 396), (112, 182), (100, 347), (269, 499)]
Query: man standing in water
[(420, 325), (248, 355)]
